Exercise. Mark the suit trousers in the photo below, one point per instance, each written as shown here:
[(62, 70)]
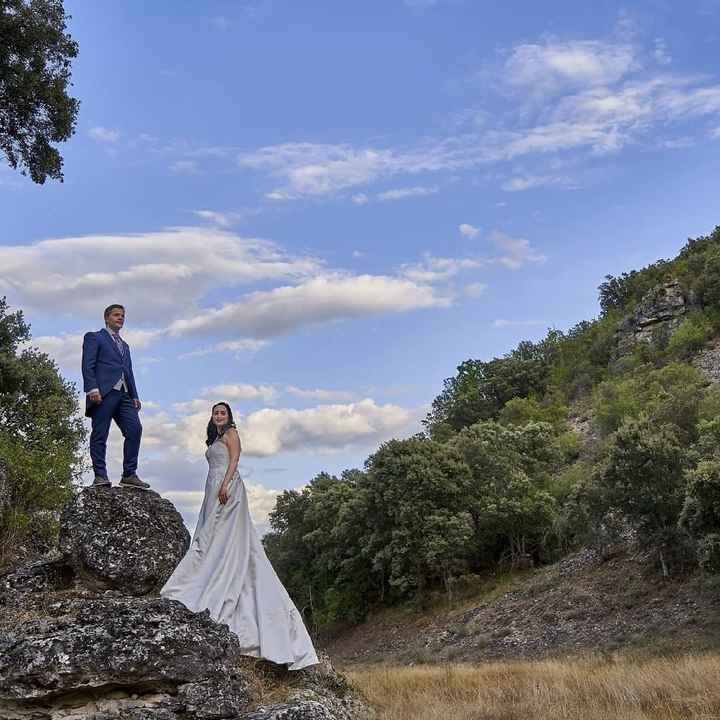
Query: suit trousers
[(118, 406)]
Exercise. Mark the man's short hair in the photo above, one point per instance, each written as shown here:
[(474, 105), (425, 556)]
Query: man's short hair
[(110, 308)]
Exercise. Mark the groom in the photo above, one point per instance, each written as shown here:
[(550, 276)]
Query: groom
[(111, 394)]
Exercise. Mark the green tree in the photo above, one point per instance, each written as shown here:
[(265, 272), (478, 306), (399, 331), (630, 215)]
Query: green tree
[(481, 389), (417, 497), (41, 436), (512, 510), (643, 476), (35, 108)]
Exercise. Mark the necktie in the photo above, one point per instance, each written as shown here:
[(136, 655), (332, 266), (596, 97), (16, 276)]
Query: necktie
[(119, 343)]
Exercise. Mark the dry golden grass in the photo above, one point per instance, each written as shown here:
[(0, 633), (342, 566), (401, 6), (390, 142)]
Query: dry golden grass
[(591, 689)]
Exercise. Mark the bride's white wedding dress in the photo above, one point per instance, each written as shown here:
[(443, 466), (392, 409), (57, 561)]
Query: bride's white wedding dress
[(227, 572)]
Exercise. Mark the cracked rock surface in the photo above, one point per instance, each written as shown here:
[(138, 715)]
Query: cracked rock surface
[(122, 539), (83, 634)]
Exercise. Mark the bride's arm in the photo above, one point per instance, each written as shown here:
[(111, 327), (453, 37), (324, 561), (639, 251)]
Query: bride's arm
[(232, 440)]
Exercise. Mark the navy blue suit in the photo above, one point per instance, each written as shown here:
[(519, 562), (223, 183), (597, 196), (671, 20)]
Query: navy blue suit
[(102, 367)]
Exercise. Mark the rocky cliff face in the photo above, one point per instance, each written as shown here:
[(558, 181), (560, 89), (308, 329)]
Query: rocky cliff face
[(83, 634), (660, 313)]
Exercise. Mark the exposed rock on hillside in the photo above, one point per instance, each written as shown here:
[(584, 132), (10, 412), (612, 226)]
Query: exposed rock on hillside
[(660, 312), (707, 361), (580, 605), (77, 642), (120, 539)]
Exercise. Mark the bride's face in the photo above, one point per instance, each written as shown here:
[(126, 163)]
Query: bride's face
[(220, 415)]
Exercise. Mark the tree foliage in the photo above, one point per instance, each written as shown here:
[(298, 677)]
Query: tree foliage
[(558, 443), (41, 436), (36, 111)]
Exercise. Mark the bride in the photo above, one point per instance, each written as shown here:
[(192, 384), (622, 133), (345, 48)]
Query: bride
[(226, 570)]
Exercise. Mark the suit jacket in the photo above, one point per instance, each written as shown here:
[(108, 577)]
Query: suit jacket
[(103, 365)]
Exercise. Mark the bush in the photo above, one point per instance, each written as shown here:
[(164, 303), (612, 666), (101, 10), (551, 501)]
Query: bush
[(668, 396), (690, 337)]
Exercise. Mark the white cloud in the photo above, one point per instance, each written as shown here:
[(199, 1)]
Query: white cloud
[(221, 219), (553, 66), (515, 252), (317, 170), (246, 345), (276, 312), (434, 269), (608, 95), (679, 143), (469, 231), (104, 135), (161, 275), (409, 192), (325, 427), (184, 167), (500, 323), (270, 431), (320, 394), (474, 290), (241, 391), (226, 393), (527, 182)]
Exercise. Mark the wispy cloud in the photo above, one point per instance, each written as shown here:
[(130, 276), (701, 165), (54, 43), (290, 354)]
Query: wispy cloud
[(104, 135), (239, 347), (409, 192), (435, 269), (320, 394), (590, 96), (322, 299), (526, 182), (474, 290), (514, 252), (220, 219), (469, 231), (555, 66), (164, 273), (184, 167)]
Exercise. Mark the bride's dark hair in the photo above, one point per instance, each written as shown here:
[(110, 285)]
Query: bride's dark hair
[(212, 431)]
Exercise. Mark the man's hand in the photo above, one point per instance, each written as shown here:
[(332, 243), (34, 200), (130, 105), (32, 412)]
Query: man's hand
[(137, 403), (95, 397)]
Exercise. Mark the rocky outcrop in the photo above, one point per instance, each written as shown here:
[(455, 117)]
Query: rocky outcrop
[(83, 635), (122, 539), (707, 361), (90, 643), (659, 314)]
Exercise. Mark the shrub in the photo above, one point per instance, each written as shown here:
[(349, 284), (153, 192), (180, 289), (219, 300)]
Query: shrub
[(690, 337)]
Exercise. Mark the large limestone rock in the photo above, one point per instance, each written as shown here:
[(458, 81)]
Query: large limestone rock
[(83, 636), (90, 643), (660, 312), (122, 539)]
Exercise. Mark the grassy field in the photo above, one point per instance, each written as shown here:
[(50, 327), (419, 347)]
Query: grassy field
[(590, 689)]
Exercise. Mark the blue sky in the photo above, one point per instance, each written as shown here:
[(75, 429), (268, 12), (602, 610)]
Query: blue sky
[(317, 210)]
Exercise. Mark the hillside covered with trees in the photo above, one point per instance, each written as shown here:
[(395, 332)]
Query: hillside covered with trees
[(608, 430)]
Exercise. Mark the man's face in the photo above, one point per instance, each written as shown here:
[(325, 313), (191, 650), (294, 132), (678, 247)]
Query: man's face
[(116, 319)]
